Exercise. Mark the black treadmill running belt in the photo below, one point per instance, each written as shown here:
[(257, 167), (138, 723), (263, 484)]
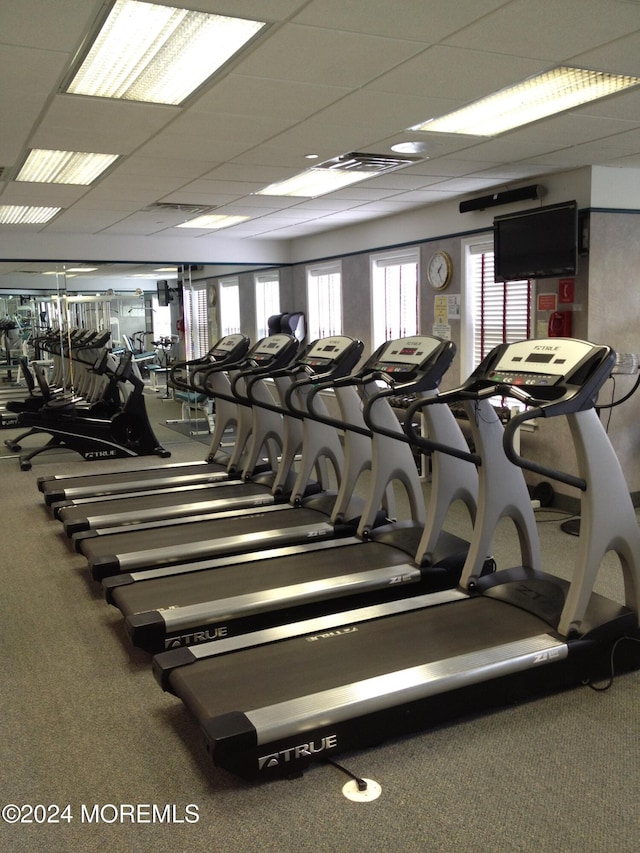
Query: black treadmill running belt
[(194, 532), (253, 576), (266, 675)]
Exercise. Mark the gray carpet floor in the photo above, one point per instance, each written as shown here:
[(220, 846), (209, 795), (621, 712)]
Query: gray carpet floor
[(84, 724)]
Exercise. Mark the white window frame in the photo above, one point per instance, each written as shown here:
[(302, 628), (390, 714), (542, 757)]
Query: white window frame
[(473, 248), (394, 303), (267, 296), (229, 305), (324, 300)]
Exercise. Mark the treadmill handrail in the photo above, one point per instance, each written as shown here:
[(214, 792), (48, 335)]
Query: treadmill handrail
[(256, 373), (203, 369), (529, 464), (559, 399), (329, 379)]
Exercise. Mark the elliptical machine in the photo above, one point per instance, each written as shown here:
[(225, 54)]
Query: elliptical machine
[(127, 432)]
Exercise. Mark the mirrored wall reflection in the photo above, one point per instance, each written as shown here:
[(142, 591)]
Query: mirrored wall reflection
[(43, 306)]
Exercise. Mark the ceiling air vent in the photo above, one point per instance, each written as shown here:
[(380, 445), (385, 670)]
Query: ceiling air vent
[(358, 162), (191, 209)]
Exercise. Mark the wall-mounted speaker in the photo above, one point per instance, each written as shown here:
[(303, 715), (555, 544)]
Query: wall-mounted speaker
[(533, 191)]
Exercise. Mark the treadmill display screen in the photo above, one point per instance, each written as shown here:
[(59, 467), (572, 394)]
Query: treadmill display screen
[(540, 357), (408, 351)]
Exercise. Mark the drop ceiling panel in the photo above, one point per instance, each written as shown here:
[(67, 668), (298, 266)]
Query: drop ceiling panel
[(462, 74), (427, 22), (78, 123), (26, 77), (41, 23), (382, 113), (58, 195), (178, 168), (621, 57), (239, 94), (549, 30), (314, 54)]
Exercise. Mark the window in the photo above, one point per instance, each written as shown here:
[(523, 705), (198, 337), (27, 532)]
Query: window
[(324, 300), (196, 323), (500, 311), (394, 296), (229, 304), (267, 301)]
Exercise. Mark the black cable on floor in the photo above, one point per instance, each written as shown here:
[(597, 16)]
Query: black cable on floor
[(361, 783), (612, 665)]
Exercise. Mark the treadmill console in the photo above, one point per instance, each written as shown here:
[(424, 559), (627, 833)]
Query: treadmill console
[(268, 349), (325, 352), (226, 345), (403, 358), (537, 364)]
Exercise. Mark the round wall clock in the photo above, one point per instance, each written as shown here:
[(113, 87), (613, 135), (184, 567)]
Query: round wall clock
[(439, 270)]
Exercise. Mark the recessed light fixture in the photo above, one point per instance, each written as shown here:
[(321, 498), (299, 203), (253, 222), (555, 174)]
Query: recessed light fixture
[(339, 172), (81, 269), (158, 54), (213, 221), (15, 214), (64, 167), (555, 91), (315, 182)]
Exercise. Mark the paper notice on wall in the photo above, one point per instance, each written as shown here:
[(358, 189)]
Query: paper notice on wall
[(441, 330), (446, 308), (453, 306), (440, 310)]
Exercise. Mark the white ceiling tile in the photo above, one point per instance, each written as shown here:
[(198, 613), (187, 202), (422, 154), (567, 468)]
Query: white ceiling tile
[(314, 54), (461, 74), (41, 23), (549, 30), (419, 21), (78, 123), (239, 94)]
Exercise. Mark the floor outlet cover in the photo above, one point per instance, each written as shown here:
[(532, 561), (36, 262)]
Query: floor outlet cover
[(371, 792)]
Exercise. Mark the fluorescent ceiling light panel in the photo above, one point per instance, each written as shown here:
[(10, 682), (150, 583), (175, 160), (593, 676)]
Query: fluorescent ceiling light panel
[(14, 214), (64, 167), (315, 182), (556, 91), (212, 221), (158, 54)]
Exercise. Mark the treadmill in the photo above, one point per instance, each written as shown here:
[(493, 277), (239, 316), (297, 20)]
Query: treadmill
[(280, 436), (226, 354), (270, 703), (323, 515), (197, 602)]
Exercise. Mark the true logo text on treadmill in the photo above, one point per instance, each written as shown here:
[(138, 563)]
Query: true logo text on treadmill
[(196, 637), (326, 634), (294, 753)]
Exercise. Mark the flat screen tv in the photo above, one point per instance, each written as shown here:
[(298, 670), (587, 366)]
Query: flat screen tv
[(538, 243)]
